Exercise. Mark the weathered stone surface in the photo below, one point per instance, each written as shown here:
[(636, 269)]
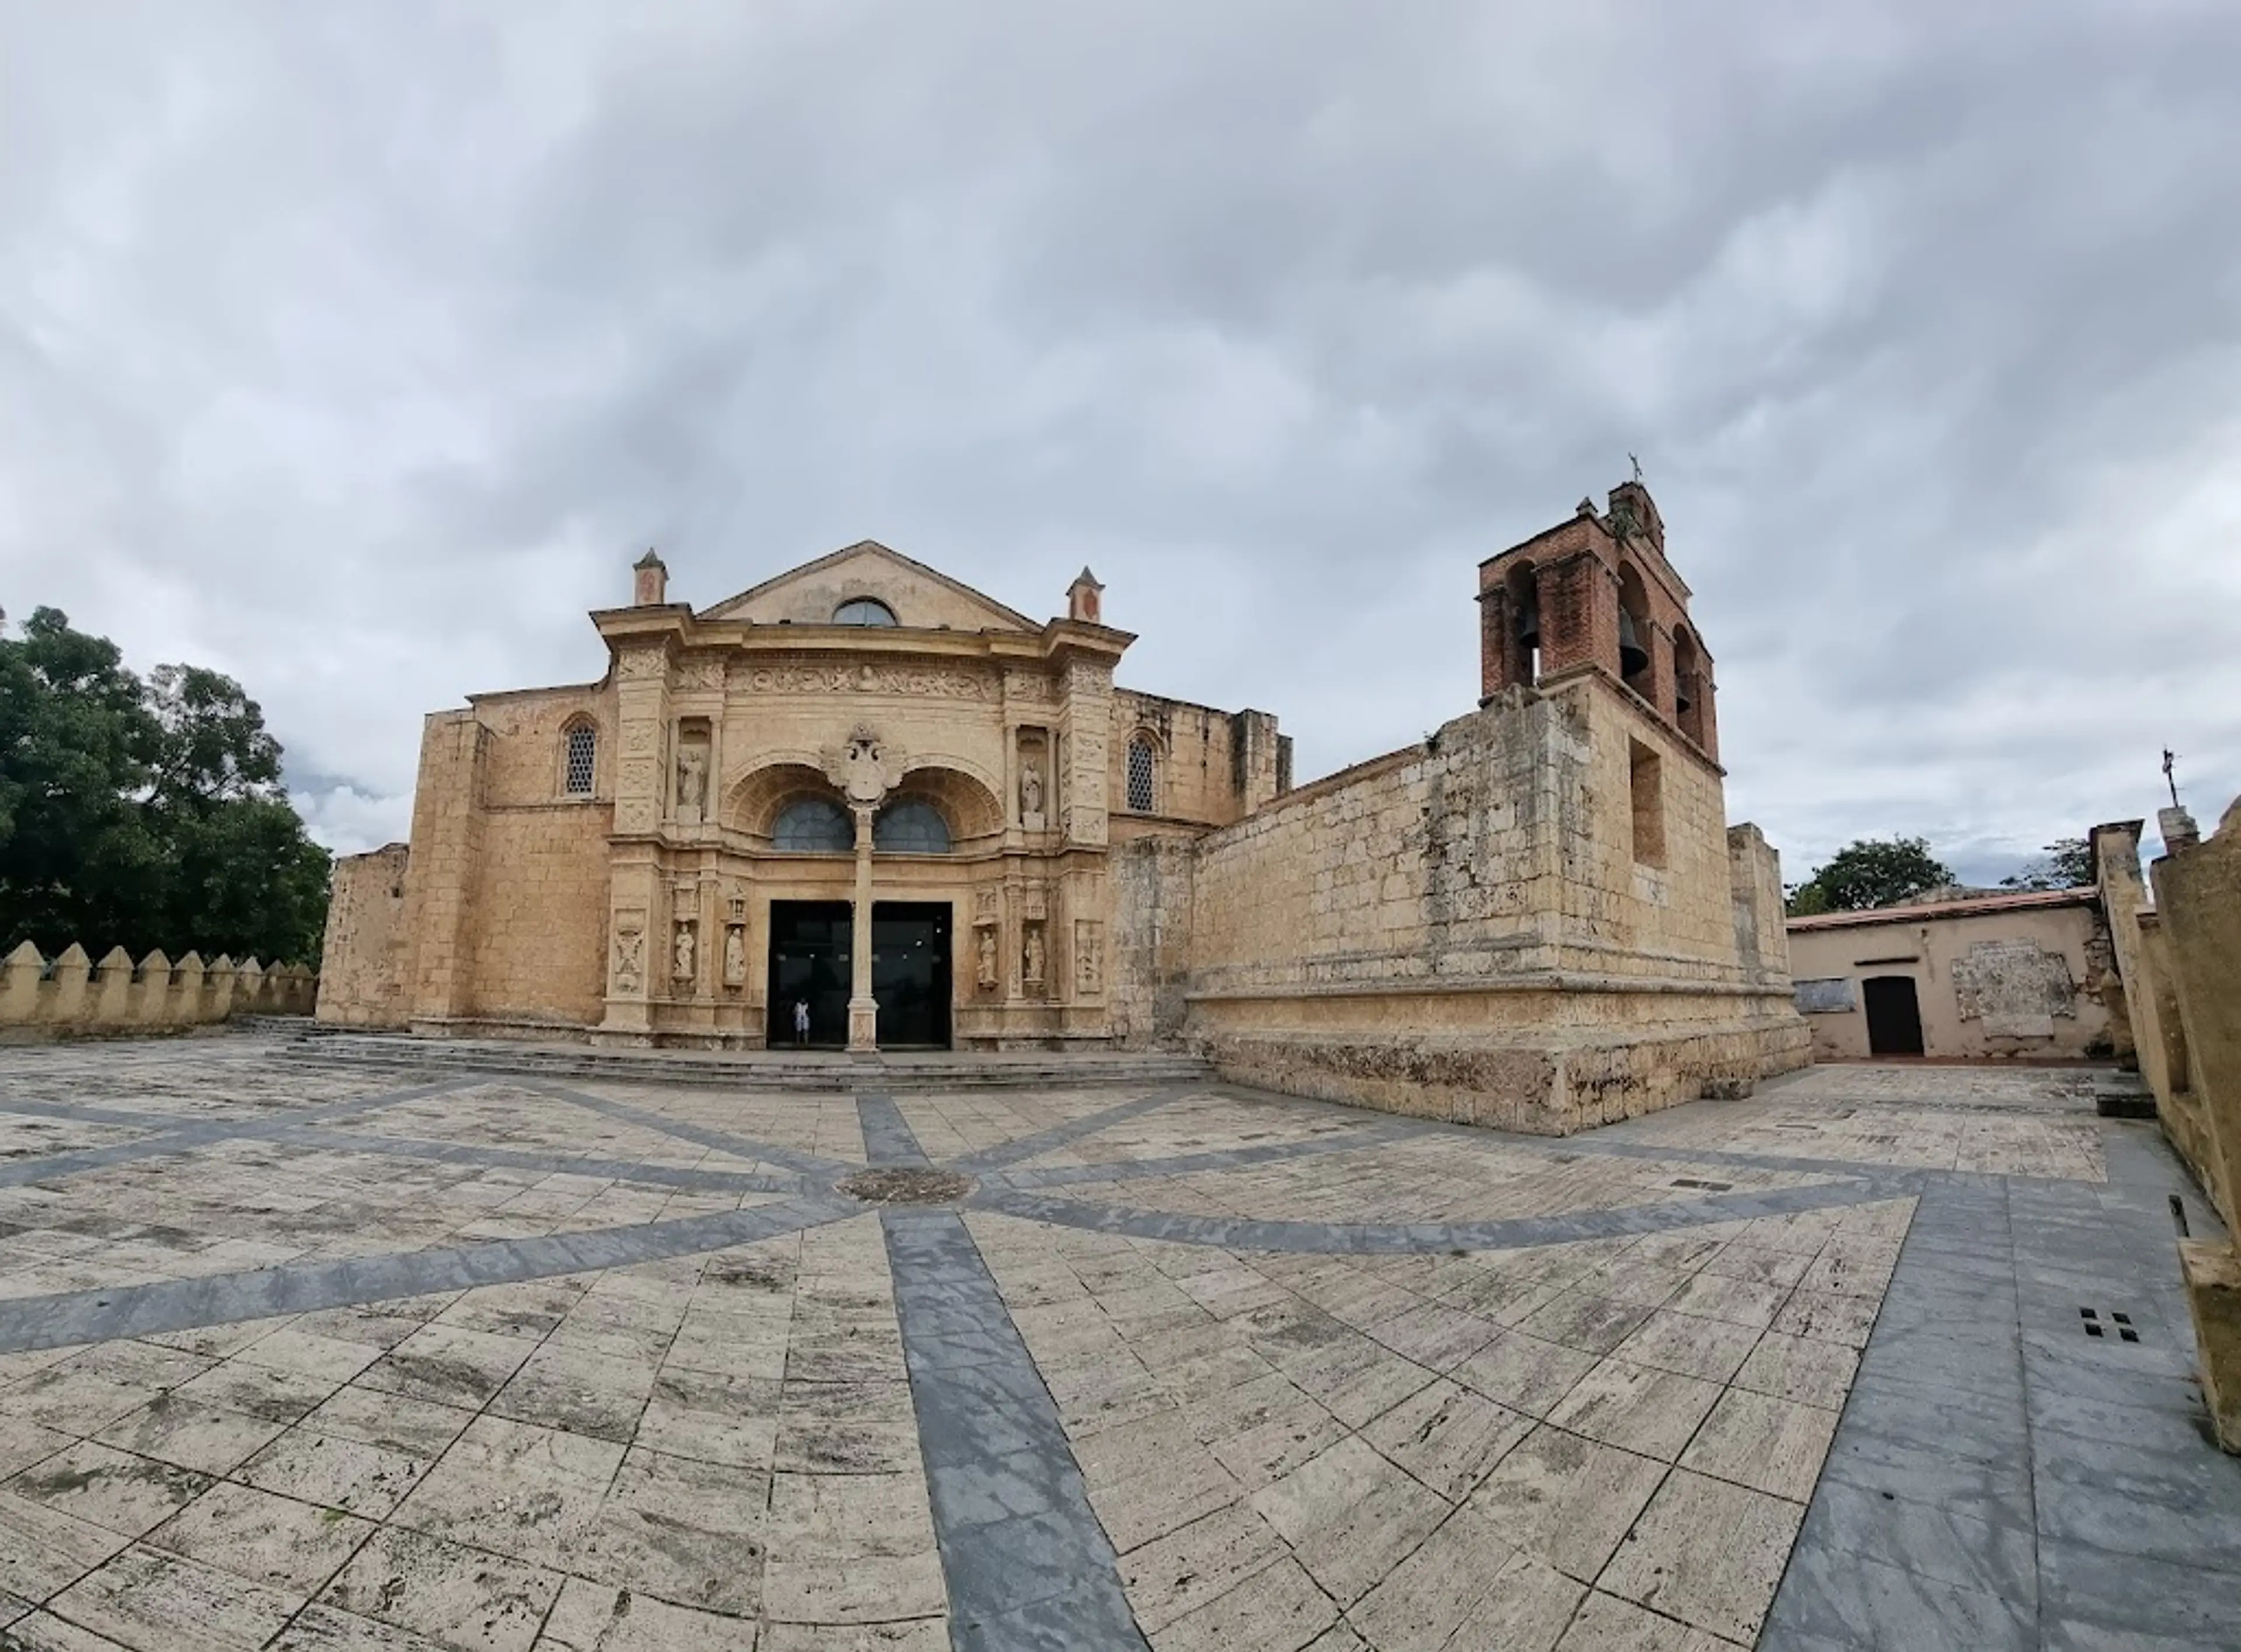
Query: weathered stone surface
[(1538, 919), (1371, 1384)]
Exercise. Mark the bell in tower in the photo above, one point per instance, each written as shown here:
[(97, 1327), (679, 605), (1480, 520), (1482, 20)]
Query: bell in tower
[(1632, 656)]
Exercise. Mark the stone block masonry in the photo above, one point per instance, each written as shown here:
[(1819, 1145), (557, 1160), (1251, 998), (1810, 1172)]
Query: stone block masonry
[(1539, 918), (1485, 929), (70, 996)]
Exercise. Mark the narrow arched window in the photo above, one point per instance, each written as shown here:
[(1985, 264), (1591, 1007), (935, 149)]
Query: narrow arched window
[(1143, 776), (1633, 632), (911, 826), (813, 826), (579, 760), (864, 611), (1688, 685)]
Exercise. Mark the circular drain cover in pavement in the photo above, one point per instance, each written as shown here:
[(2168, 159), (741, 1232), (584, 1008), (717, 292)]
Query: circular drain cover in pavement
[(898, 1186)]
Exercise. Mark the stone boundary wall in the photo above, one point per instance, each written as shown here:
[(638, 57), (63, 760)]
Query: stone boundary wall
[(2181, 964), (2147, 995), (1148, 972), (362, 980), (73, 997)]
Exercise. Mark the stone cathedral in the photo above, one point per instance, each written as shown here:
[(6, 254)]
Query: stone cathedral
[(861, 805)]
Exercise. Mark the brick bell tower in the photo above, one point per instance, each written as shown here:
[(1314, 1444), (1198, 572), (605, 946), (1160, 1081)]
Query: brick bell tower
[(1595, 594)]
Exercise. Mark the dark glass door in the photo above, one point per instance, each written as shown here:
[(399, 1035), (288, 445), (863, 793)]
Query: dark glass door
[(809, 960), (910, 972)]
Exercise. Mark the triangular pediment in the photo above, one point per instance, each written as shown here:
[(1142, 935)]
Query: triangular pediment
[(919, 596)]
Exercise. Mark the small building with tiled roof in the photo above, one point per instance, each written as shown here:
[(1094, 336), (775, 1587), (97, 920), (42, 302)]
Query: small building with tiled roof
[(1972, 973)]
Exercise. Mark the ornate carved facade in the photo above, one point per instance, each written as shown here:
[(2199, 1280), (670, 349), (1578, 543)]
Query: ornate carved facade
[(963, 757), (861, 805)]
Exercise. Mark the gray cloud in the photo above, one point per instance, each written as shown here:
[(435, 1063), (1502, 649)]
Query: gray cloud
[(356, 350)]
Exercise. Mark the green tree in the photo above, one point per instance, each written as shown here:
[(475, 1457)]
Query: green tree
[(1873, 872), (2067, 863), (144, 814), (76, 858), (242, 877), (1807, 899)]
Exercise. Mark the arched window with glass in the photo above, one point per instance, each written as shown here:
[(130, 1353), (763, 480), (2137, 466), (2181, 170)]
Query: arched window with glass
[(813, 826), (910, 826), (1143, 776), (580, 759), (864, 611)]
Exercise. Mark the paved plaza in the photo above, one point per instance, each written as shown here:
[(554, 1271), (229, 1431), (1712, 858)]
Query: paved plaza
[(298, 1356)]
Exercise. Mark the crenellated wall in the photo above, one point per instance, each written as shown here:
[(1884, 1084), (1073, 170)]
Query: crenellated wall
[(2149, 997), (70, 996), (2181, 963)]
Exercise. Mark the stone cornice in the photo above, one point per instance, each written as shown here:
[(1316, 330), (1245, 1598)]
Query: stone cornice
[(675, 626)]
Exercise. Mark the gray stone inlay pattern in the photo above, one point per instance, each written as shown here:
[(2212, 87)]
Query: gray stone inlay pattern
[(174, 1305), (887, 1138), (454, 1153), (298, 1287), (1999, 1480), (201, 1134), (1189, 1164), (1022, 1148), (802, 1164), (1398, 1238), (1026, 1564)]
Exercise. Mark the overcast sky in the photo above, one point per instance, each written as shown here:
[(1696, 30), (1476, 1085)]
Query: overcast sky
[(357, 349)]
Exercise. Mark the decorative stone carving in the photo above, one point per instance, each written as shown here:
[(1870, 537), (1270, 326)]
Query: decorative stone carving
[(735, 955), (1032, 957), (641, 663), (1034, 903), (700, 671), (1089, 959), (864, 679), (691, 783), (638, 778), (984, 971), (681, 951), (1031, 795), (864, 769), (984, 906), (630, 952)]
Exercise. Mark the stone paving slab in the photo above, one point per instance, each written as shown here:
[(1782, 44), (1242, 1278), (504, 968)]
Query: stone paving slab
[(300, 1358)]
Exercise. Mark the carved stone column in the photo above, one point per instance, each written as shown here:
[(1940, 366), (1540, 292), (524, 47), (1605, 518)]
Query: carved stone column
[(863, 1008), (866, 770)]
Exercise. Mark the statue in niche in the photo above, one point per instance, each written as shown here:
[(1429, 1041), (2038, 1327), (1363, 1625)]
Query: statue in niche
[(1030, 792), (735, 955), (683, 950), (691, 783), (629, 946), (1034, 958), (986, 973)]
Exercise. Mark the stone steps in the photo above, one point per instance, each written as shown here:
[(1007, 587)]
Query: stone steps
[(748, 1070)]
